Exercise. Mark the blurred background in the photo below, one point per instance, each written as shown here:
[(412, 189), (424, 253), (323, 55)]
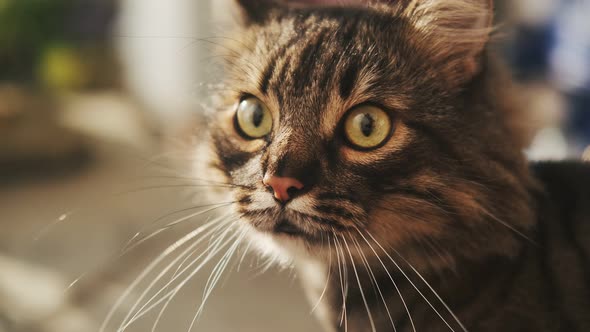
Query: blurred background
[(97, 102)]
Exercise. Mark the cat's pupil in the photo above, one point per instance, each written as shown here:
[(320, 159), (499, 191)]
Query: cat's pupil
[(367, 125), (257, 116)]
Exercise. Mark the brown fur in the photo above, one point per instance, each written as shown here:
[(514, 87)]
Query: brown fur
[(448, 196)]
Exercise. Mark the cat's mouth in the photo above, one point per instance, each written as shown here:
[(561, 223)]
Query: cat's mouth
[(285, 224), (286, 227)]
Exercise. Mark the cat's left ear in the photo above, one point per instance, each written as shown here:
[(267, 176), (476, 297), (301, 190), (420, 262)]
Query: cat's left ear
[(460, 30), (257, 11)]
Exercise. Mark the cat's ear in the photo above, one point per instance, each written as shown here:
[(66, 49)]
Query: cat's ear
[(257, 11), (460, 28)]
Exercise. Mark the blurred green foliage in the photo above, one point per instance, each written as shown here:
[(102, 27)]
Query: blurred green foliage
[(27, 27), (46, 42)]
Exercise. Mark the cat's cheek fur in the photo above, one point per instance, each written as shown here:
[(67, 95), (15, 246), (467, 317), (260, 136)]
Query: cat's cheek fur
[(205, 166)]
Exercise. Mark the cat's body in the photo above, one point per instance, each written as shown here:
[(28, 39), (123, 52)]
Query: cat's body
[(388, 139)]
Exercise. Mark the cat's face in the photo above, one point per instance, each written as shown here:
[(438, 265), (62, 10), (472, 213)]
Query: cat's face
[(361, 121)]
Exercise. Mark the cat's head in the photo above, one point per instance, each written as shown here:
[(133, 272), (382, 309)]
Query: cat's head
[(381, 122)]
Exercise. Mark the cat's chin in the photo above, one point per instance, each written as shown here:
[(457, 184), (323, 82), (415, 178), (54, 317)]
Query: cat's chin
[(286, 227), (285, 242), (283, 249), (286, 230), (285, 223)]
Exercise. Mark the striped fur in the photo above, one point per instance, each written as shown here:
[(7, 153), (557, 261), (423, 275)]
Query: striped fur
[(449, 198)]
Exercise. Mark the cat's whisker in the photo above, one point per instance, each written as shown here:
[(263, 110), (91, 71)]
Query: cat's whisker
[(370, 271), (211, 280), (190, 178), (342, 314), (524, 236), (174, 276), (151, 36), (150, 268), (254, 65), (270, 263), (126, 248), (73, 283), (170, 298), (416, 288), (192, 39), (170, 186), (257, 265), (373, 328), (432, 290), (211, 251), (339, 275), (130, 245), (170, 295), (220, 267), (220, 89), (67, 216), (216, 44), (441, 253), (390, 278), (246, 250), (59, 220), (244, 45), (328, 276), (225, 57), (160, 230)]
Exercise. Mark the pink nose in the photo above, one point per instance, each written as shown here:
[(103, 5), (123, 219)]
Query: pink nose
[(281, 186)]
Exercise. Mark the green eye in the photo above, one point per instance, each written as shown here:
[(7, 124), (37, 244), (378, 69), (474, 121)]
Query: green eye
[(367, 127), (253, 119)]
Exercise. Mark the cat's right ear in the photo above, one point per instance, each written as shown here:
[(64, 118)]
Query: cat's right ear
[(257, 11), (461, 30)]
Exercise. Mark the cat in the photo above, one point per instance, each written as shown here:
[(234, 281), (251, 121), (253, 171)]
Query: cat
[(377, 147)]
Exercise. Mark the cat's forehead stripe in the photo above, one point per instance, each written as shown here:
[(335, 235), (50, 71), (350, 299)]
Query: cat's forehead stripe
[(310, 66), (280, 52), (348, 79), (322, 57)]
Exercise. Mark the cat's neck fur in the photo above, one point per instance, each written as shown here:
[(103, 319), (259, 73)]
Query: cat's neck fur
[(426, 293)]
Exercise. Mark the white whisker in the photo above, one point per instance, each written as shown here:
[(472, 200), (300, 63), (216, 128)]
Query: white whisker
[(149, 268), (244, 254), (216, 247), (212, 250), (433, 291), (486, 212), (414, 285), (360, 286), (177, 273), (390, 278), (343, 285), (221, 266), (370, 271), (327, 277), (130, 246)]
